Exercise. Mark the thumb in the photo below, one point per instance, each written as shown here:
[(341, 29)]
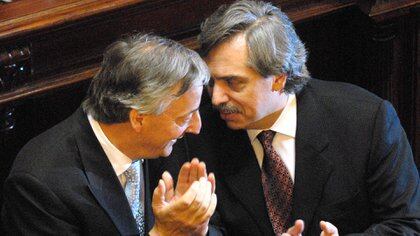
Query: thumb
[(169, 185), (158, 199), (297, 229), (328, 228), (212, 180)]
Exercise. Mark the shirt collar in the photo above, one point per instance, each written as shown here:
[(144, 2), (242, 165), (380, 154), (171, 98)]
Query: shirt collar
[(119, 161), (285, 124)]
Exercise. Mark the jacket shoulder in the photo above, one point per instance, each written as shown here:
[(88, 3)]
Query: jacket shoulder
[(341, 90), (52, 148)]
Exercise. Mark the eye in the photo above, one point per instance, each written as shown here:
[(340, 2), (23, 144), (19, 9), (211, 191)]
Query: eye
[(230, 81), (234, 84), (211, 83), (181, 121)]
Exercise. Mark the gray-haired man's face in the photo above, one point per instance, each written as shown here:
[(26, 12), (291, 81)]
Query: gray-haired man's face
[(244, 98), (160, 132)]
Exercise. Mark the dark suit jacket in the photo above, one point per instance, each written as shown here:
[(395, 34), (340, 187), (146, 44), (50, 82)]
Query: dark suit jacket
[(62, 183), (354, 166)]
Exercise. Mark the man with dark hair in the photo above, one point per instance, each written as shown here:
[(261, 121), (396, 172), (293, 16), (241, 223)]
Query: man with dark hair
[(295, 154), (89, 174)]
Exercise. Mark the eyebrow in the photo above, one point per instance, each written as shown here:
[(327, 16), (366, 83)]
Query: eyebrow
[(227, 77), (192, 111)]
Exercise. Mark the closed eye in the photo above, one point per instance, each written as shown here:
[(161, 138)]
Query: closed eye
[(235, 83), (211, 83)]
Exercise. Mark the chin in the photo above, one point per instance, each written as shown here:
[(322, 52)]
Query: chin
[(234, 126), (166, 152), (165, 155)]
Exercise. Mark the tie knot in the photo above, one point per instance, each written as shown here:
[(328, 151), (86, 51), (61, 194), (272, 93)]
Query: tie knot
[(131, 174), (266, 137)]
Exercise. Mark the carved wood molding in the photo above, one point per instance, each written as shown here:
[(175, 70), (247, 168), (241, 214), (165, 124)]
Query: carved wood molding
[(14, 56), (311, 10), (63, 80), (7, 119), (49, 84), (383, 10), (14, 67), (21, 17)]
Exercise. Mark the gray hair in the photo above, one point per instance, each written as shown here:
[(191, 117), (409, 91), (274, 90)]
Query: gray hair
[(273, 45), (142, 72)]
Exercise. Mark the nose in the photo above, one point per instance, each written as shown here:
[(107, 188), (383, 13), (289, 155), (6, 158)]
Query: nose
[(218, 94), (195, 124)]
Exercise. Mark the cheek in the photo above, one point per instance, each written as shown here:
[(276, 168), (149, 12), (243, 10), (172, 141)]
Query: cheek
[(251, 103), (173, 133), (256, 108), (166, 130)]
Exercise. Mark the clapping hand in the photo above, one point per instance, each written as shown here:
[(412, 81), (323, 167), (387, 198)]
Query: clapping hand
[(188, 208), (327, 228)]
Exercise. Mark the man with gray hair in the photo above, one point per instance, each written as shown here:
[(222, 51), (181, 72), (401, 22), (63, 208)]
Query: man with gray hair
[(294, 154), (89, 174)]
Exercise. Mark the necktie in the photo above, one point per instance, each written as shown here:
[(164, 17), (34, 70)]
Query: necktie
[(277, 184), (133, 192)]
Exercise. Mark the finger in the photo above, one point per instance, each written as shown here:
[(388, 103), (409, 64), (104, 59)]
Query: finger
[(199, 207), (186, 200), (210, 209), (213, 205), (328, 229), (169, 185), (199, 198), (202, 172), (158, 198), (194, 170), (212, 180), (207, 199), (184, 173), (296, 229)]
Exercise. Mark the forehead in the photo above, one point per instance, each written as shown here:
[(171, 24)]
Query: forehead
[(230, 59), (187, 102), (228, 54), (235, 45)]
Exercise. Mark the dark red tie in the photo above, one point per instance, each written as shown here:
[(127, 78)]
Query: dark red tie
[(277, 184)]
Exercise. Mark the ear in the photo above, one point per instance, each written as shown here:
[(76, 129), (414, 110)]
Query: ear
[(136, 120), (279, 81)]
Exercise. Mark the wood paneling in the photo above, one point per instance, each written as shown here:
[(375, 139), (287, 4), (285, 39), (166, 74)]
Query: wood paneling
[(80, 43), (373, 44)]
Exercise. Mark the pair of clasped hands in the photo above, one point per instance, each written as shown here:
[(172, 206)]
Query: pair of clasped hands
[(186, 209)]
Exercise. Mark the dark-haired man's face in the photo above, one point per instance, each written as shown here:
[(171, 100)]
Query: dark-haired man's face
[(243, 97)]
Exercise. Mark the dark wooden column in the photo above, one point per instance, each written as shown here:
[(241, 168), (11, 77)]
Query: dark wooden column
[(392, 65)]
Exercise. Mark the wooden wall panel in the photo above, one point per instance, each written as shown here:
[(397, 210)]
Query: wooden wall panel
[(368, 43)]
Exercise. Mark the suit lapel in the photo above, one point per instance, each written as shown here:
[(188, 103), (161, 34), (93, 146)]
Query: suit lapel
[(103, 182), (149, 219), (243, 176), (312, 168)]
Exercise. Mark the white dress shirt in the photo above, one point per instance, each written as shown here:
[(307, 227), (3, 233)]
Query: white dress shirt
[(119, 161), (284, 139)]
